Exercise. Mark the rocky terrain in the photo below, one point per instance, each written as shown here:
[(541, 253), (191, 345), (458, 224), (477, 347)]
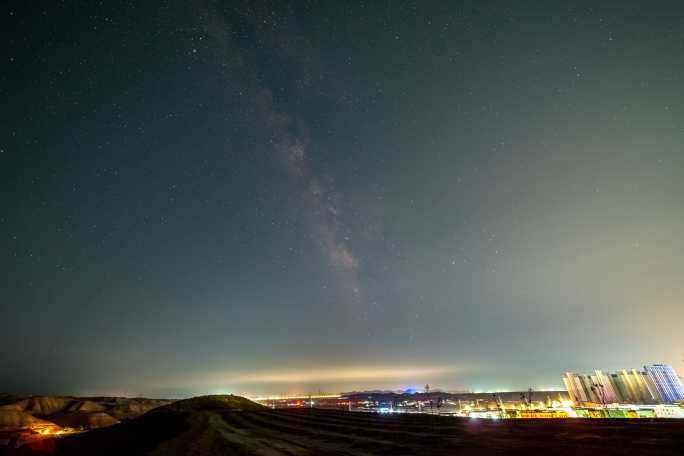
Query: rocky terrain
[(26, 419), (232, 425)]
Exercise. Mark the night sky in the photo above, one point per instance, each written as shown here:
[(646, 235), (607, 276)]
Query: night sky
[(266, 198)]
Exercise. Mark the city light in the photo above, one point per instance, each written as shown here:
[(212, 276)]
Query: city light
[(623, 394)]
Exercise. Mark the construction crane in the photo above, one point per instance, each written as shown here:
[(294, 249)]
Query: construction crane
[(500, 405), (599, 390), (527, 400)]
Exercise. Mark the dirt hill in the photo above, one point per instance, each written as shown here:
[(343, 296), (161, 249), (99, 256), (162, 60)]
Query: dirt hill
[(124, 408), (66, 411), (215, 403), (189, 426), (89, 420), (86, 406), (14, 420)]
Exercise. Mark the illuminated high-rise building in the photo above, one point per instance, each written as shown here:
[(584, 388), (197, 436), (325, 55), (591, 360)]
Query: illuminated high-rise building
[(579, 387), (666, 381), (656, 383), (636, 387), (604, 388)]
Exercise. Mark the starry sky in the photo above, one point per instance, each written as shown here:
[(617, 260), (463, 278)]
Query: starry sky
[(290, 197)]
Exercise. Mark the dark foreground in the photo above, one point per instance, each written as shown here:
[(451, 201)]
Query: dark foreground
[(211, 425)]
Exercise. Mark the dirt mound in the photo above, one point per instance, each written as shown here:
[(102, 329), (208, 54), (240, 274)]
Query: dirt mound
[(11, 420), (215, 403), (90, 420), (18, 405), (189, 426), (55, 412), (100, 419), (46, 405), (118, 407), (85, 406), (131, 408)]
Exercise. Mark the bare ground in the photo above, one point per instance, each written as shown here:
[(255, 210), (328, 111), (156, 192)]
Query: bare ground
[(237, 428)]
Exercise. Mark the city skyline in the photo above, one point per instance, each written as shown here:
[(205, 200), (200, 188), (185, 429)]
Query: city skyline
[(655, 384)]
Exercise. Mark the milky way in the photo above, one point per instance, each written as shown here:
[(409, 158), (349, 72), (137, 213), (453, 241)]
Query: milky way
[(268, 197)]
